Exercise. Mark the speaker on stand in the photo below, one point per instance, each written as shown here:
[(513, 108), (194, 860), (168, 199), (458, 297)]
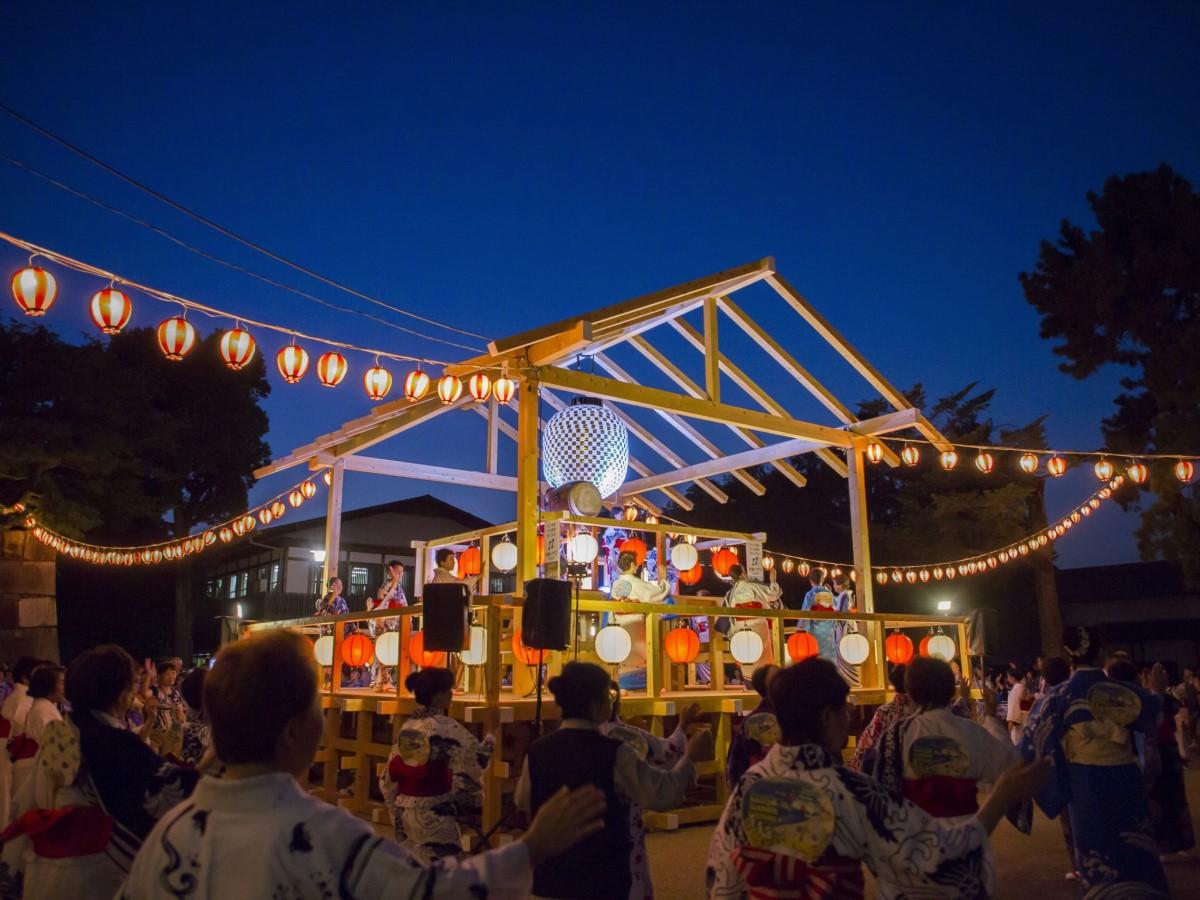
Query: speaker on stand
[(545, 624), (445, 609)]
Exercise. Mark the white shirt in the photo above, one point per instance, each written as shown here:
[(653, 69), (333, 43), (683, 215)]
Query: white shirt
[(16, 708), (1016, 715)]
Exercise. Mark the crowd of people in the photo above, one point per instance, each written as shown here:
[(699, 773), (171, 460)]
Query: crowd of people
[(147, 781)]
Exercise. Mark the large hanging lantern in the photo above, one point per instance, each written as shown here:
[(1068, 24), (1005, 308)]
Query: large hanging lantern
[(941, 647), (479, 386), (636, 546), (111, 310), (357, 650), (1138, 473), (691, 576), (295, 498), (416, 385), (723, 560), (323, 650), (581, 548), (613, 644), (854, 648), (1028, 463), (34, 289), (530, 656), (476, 652), (1103, 470), (1056, 466), (875, 451), (949, 460), (292, 362), (586, 441), (504, 556), (387, 648), (504, 388), (237, 348), (1185, 471), (801, 645), (377, 381), (682, 645), (176, 337), (984, 462), (684, 557), (910, 455), (746, 647), (898, 648), (331, 368), (426, 659), (469, 562), (449, 389), (309, 489)]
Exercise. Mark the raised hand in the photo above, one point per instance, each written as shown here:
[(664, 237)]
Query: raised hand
[(689, 715)]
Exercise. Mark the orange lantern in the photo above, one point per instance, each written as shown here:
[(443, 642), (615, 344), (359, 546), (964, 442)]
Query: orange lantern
[(237, 348), (449, 389), (34, 289), (480, 386), (949, 460), (1028, 463), (1138, 473), (1185, 470), (176, 337), (377, 381), (357, 650), (801, 645), (423, 658), (111, 310), (1103, 470), (528, 655), (874, 451), (636, 546), (469, 562), (683, 645), (266, 516), (295, 498), (692, 576), (898, 648), (331, 368), (984, 462), (416, 385), (1056, 466), (723, 560), (309, 490), (910, 454), (504, 388), (923, 647), (292, 362), (278, 509)]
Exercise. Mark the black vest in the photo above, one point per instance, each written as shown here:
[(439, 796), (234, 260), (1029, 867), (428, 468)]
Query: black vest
[(597, 867)]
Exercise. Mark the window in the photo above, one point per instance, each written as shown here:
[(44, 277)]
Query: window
[(315, 580), (233, 586), (244, 584), (274, 575), (359, 575), (264, 575)]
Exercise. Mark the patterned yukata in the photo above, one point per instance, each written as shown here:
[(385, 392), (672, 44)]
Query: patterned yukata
[(849, 671), (433, 779), (899, 707), (825, 631), (197, 737), (1085, 725), (800, 826), (166, 732), (753, 595), (633, 589), (12, 722)]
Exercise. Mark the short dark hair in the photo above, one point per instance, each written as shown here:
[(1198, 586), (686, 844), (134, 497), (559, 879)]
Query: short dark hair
[(442, 554), (164, 664), (97, 678), (736, 572), (816, 575), (929, 681), (331, 580), (44, 680), (896, 677), (428, 683), (759, 679), (625, 559), (192, 688), (841, 578), (800, 693), (24, 667), (578, 688), (395, 562), (1120, 669), (1082, 644), (1055, 670), (258, 685)]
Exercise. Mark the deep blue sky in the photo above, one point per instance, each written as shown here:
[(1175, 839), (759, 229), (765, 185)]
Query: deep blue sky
[(503, 166)]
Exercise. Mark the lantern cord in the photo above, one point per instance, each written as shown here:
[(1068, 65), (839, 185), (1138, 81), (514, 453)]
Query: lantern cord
[(162, 232), (220, 229)]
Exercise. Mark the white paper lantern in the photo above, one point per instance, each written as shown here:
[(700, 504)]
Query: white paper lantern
[(613, 644), (476, 652), (586, 442), (582, 548), (504, 556), (854, 648), (684, 557), (941, 647), (323, 649), (746, 647), (387, 648)]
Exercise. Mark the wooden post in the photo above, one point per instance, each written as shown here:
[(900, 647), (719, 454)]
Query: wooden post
[(493, 783), (859, 538), (493, 435), (527, 480), (712, 353), (333, 523)]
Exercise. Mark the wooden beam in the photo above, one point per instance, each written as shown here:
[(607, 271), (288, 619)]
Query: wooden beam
[(528, 486), (859, 537), (333, 524), (712, 353), (932, 434), (712, 467), (888, 422), (551, 350), (419, 471)]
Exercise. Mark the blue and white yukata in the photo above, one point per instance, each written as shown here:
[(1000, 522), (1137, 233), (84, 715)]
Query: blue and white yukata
[(824, 630), (849, 671)]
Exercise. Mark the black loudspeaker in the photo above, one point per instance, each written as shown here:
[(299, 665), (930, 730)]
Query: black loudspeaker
[(445, 623), (546, 620)]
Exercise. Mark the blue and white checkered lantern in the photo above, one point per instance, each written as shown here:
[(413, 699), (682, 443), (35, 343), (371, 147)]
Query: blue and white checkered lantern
[(586, 442)]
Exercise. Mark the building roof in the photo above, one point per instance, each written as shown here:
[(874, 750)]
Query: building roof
[(1127, 581)]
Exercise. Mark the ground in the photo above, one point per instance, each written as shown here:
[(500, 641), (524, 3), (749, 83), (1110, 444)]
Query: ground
[(1027, 867)]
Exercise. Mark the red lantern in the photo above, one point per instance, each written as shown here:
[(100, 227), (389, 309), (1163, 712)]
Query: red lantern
[(34, 289), (176, 337), (723, 560), (449, 389), (292, 362), (480, 386), (692, 576), (1056, 466), (923, 647), (1185, 471), (527, 655), (418, 654), (377, 381), (636, 546), (111, 310), (331, 368), (1138, 473), (357, 650), (683, 645), (801, 645), (469, 562), (504, 389), (416, 385), (237, 348), (898, 648)]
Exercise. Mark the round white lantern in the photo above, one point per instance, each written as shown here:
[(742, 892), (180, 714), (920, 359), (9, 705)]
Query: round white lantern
[(387, 648), (582, 548), (613, 644), (504, 556), (684, 557), (586, 442), (476, 652), (854, 648), (941, 647), (746, 647), (323, 649)]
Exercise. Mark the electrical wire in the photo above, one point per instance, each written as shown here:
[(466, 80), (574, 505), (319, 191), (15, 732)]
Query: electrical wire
[(1039, 451)]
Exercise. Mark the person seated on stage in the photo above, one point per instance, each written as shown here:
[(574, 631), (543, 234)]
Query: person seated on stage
[(753, 734), (799, 824), (578, 753), (443, 573), (935, 758), (434, 777), (256, 832), (198, 736), (899, 707)]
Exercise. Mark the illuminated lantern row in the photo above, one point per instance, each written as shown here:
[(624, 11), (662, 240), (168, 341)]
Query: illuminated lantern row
[(176, 337), (479, 386), (34, 289), (504, 388)]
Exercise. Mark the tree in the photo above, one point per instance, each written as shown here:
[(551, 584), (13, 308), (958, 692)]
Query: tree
[(1128, 293)]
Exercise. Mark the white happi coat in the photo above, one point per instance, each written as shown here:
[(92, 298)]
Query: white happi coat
[(266, 837), (12, 712), (758, 596), (630, 588)]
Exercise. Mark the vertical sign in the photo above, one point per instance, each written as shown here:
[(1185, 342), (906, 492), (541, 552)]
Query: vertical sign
[(754, 569), (553, 567)]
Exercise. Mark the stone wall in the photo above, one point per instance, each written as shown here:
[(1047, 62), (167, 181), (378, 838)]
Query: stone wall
[(28, 614)]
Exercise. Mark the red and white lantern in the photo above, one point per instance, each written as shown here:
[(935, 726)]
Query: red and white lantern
[(176, 337), (504, 388), (416, 385), (331, 368), (480, 386), (1185, 470), (111, 310), (292, 362), (377, 381), (34, 289), (449, 389), (237, 348)]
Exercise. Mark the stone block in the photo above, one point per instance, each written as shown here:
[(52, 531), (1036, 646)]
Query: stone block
[(37, 612)]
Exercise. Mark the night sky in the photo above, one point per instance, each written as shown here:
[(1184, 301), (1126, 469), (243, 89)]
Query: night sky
[(501, 170)]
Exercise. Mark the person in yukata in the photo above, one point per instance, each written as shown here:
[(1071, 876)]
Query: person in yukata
[(753, 734), (799, 824), (166, 731), (1085, 726), (389, 596), (198, 736), (845, 602), (434, 777), (747, 594), (12, 722), (445, 561), (821, 598), (257, 833), (935, 758), (632, 588), (899, 707), (46, 690), (578, 753)]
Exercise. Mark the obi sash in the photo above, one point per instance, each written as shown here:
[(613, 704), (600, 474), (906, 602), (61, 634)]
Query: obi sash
[(5, 727), (22, 747), (431, 779), (63, 833), (774, 876), (943, 796)]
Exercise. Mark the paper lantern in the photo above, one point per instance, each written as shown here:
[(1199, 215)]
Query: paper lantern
[(34, 289), (527, 655), (423, 658), (684, 557), (1028, 463), (504, 556), (630, 511), (357, 650), (387, 648), (1185, 471), (636, 546), (266, 516), (801, 645), (746, 647), (278, 508), (691, 576), (323, 649), (875, 451), (176, 337), (479, 386), (237, 348), (1103, 470), (469, 562), (613, 644), (910, 576), (881, 577), (941, 647), (331, 368), (377, 381), (292, 362), (541, 549), (1138, 473), (308, 489), (949, 460), (504, 389), (923, 647), (586, 441), (1056, 466), (910, 455), (226, 535), (898, 648), (416, 385), (449, 389), (788, 565), (110, 310), (723, 560), (476, 652), (854, 648), (582, 548), (296, 499), (682, 645), (984, 462)]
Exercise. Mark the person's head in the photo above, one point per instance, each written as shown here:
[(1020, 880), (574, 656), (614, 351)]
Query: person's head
[(762, 678), (177, 662), (626, 561), (930, 682), (432, 687), (1055, 670), (736, 572), (810, 703), (192, 688), (1119, 669), (24, 668), (282, 734), (445, 559), (101, 680), (582, 692), (167, 673), (1082, 645), (896, 677), (395, 568), (841, 582), (816, 576), (335, 585), (1031, 676), (48, 683)]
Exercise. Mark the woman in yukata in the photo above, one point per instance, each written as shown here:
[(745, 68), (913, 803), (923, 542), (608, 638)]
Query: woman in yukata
[(747, 594), (631, 587)]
